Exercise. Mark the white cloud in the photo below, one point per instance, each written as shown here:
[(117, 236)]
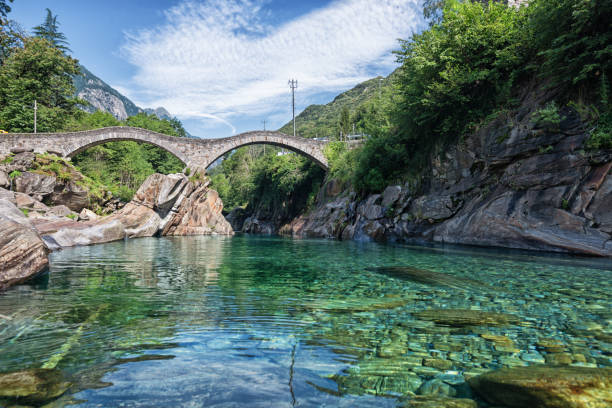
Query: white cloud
[(221, 59)]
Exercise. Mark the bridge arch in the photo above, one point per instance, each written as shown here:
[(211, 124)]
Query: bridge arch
[(119, 134), (309, 148)]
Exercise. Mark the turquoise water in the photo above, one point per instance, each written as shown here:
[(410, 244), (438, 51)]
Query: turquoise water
[(265, 321)]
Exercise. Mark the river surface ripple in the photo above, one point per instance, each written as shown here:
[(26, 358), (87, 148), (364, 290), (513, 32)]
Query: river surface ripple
[(268, 321)]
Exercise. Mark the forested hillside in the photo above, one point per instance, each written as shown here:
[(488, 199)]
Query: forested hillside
[(325, 120)]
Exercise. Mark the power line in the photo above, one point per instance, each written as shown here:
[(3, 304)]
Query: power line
[(293, 84)]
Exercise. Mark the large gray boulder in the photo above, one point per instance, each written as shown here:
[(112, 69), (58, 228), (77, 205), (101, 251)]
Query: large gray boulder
[(4, 180), (23, 254), (35, 184)]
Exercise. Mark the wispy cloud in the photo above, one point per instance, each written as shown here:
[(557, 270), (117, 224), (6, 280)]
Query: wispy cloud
[(222, 59)]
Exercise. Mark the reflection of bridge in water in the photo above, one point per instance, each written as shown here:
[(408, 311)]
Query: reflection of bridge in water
[(195, 153)]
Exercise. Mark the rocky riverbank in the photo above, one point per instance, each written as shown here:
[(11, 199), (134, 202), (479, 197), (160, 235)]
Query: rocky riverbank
[(43, 212), (516, 183)]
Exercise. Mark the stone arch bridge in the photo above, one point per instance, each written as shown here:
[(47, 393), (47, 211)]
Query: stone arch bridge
[(195, 153)]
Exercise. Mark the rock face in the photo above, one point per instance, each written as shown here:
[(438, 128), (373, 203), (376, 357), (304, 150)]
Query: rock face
[(546, 387), (511, 184), (52, 180), (23, 254), (163, 205)]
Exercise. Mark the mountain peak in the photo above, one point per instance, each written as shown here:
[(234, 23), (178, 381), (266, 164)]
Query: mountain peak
[(103, 97)]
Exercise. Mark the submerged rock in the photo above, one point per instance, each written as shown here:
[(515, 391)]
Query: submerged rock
[(546, 387), (436, 387), (427, 401), (34, 385), (379, 377), (353, 305), (429, 277), (466, 317)]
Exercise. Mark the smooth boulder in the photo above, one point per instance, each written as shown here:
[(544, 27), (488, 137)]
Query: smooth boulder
[(34, 385), (23, 254), (546, 387)]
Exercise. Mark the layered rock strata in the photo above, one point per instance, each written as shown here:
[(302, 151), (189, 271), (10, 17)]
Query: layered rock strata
[(513, 184), (163, 205)]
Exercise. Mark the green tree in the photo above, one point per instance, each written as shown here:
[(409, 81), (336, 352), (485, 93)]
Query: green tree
[(344, 122), (573, 42), (432, 10), (49, 30), (38, 72), (11, 37)]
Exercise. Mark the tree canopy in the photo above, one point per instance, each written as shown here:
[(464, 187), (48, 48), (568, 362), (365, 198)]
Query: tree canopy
[(49, 30), (40, 72)]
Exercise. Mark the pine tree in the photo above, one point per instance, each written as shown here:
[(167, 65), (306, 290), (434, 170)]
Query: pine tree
[(49, 30), (4, 7)]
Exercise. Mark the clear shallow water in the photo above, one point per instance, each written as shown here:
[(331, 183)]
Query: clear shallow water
[(263, 321)]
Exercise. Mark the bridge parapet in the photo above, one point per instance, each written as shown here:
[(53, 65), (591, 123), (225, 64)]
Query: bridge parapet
[(199, 153)]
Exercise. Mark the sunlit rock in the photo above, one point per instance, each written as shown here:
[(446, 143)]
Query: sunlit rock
[(34, 385), (23, 254), (546, 387)]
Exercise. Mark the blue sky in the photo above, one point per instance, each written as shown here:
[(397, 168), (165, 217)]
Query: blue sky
[(221, 66)]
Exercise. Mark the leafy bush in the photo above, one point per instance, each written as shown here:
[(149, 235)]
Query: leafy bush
[(571, 39), (547, 117), (341, 161), (601, 137)]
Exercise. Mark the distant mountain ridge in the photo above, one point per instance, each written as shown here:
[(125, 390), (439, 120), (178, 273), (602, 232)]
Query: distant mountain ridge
[(322, 120), (102, 96)]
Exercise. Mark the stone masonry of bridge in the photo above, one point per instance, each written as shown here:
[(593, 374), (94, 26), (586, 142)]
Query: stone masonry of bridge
[(195, 153)]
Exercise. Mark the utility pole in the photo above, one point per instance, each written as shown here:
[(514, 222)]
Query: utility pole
[(264, 146), (35, 110), (293, 83)]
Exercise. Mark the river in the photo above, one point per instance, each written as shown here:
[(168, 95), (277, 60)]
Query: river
[(268, 321)]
